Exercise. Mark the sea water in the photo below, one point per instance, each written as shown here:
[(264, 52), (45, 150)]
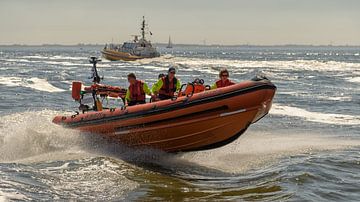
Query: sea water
[(307, 148)]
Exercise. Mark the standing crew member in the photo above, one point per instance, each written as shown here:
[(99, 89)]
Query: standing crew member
[(167, 85), (136, 91), (223, 81)]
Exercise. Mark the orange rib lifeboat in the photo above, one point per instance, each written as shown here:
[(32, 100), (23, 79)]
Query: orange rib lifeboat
[(198, 121)]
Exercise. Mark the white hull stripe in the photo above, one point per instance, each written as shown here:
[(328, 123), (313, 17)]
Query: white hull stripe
[(234, 112), (122, 132)]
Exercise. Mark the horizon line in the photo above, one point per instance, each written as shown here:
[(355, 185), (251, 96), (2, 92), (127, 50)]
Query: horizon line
[(190, 44)]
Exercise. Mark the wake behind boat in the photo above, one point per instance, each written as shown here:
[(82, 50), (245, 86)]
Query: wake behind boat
[(133, 50), (196, 119)]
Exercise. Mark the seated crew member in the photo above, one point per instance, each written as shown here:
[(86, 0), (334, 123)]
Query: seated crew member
[(223, 81), (167, 85), (161, 75), (136, 91)]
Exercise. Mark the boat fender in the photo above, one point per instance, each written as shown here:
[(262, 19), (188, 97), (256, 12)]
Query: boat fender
[(154, 106)]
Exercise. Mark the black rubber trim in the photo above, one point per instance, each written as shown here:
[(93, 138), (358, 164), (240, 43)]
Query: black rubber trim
[(172, 107)]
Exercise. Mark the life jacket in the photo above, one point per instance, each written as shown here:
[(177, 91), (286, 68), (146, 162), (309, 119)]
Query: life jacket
[(137, 91), (220, 84), (169, 87)]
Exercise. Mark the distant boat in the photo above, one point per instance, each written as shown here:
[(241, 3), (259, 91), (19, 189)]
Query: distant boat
[(169, 44), (132, 50)]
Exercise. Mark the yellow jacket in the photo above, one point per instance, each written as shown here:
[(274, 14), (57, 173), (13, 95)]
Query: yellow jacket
[(157, 86), (145, 88)]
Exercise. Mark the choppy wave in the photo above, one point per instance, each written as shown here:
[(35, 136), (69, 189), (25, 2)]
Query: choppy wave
[(257, 149), (328, 118), (213, 65), (354, 79), (55, 57), (13, 194), (306, 95), (48, 61), (34, 83), (32, 133)]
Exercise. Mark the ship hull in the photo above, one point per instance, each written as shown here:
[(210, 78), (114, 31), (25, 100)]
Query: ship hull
[(117, 55)]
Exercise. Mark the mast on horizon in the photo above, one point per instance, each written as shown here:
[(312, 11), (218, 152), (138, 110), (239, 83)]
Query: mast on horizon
[(143, 28), (169, 43)]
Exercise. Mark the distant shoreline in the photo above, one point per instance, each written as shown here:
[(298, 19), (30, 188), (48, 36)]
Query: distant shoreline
[(183, 45)]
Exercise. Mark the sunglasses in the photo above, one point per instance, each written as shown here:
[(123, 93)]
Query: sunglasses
[(225, 75)]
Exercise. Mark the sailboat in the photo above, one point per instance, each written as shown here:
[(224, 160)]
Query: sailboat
[(169, 43)]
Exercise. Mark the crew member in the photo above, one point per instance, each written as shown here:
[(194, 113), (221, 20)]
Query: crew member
[(167, 85), (136, 91), (223, 81), (161, 75)]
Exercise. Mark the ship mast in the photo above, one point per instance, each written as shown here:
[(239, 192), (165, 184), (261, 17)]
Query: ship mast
[(143, 28)]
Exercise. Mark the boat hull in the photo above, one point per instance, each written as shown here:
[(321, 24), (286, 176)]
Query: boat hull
[(117, 55), (206, 120)]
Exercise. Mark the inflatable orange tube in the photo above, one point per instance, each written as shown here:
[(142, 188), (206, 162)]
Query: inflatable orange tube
[(204, 120)]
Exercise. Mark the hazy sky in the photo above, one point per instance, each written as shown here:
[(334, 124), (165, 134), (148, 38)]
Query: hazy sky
[(265, 22)]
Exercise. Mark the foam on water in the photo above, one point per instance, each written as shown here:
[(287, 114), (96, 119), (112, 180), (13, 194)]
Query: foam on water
[(12, 195), (28, 134), (67, 162), (310, 96), (61, 57), (35, 57), (50, 61), (328, 118), (34, 83), (55, 57), (354, 79), (257, 149), (239, 65), (64, 63), (94, 178)]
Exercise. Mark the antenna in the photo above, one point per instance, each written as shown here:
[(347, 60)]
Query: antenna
[(95, 76), (143, 28)]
